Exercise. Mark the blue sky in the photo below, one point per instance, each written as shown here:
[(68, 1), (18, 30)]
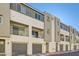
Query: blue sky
[(68, 13)]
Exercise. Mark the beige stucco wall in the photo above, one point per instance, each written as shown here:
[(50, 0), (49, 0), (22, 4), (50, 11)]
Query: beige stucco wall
[(5, 25)]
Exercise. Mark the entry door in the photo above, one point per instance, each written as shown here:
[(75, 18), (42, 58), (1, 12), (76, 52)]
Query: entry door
[(2, 47), (19, 49), (56, 47), (47, 47)]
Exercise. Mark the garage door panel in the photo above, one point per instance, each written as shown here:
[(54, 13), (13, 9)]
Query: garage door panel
[(37, 48), (19, 49)]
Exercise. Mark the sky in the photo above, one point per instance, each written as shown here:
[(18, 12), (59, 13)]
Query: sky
[(68, 13)]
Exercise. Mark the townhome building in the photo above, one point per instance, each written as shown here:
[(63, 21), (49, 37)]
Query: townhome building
[(25, 30)]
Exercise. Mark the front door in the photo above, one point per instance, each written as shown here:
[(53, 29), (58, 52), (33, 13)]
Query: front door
[(2, 47), (56, 47), (47, 47)]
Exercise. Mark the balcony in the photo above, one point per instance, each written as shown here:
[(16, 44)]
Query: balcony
[(27, 10), (23, 19), (64, 32), (37, 35), (17, 38)]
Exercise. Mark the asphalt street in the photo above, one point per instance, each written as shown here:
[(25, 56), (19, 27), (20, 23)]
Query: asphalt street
[(67, 54)]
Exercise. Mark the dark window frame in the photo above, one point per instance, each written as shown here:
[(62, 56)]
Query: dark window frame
[(35, 33)]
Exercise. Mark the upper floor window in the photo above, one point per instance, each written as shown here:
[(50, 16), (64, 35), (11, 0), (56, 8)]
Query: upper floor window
[(64, 27), (18, 31), (61, 37), (39, 16), (23, 9), (15, 30), (67, 38), (18, 7), (36, 16), (35, 34)]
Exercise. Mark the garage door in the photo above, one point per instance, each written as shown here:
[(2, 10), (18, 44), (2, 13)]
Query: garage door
[(61, 47), (19, 49), (36, 48)]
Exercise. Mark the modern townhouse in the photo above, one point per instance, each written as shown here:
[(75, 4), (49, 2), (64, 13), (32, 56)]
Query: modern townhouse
[(27, 31)]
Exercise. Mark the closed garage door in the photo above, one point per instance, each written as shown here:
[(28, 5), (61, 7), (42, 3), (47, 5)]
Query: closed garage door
[(61, 47), (19, 49), (36, 48)]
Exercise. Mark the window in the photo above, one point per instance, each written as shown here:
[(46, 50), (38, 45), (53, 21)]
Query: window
[(23, 9), (35, 34), (22, 31), (2, 46), (67, 38), (15, 30), (39, 16), (19, 29), (61, 37), (64, 27), (18, 7), (42, 17), (13, 6), (36, 16)]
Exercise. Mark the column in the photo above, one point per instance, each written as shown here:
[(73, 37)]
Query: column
[(29, 44), (8, 47), (29, 48)]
